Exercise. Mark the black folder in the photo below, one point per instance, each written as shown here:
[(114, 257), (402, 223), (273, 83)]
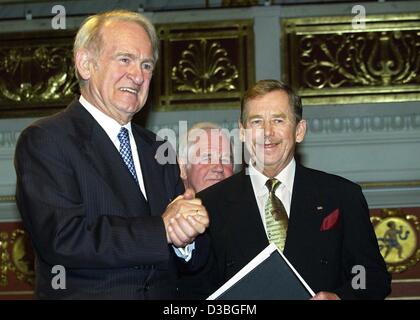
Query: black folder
[(269, 276)]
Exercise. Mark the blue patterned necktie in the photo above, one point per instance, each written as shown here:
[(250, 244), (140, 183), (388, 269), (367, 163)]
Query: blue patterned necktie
[(125, 151)]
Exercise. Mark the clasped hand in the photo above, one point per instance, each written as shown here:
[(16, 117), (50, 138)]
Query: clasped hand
[(185, 218)]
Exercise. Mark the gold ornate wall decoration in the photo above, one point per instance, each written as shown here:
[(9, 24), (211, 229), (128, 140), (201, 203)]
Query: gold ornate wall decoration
[(8, 198), (398, 238), (23, 258), (16, 257), (4, 258), (36, 73), (203, 65), (329, 62)]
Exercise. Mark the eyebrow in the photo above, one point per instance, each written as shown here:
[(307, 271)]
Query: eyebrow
[(277, 115), (132, 56), (121, 53), (280, 115)]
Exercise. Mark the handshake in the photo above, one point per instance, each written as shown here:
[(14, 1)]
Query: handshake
[(185, 218)]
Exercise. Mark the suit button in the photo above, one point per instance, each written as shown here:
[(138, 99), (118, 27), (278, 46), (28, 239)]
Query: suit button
[(323, 261)]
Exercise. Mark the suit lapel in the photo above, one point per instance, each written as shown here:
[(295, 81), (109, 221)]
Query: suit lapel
[(305, 218), (153, 173), (101, 153), (249, 230)]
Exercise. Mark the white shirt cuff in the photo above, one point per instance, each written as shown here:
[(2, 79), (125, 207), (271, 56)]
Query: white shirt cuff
[(186, 252)]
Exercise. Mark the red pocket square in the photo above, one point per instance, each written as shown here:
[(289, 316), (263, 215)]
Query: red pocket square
[(330, 220)]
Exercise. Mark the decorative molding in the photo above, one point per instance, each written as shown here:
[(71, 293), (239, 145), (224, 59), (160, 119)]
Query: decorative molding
[(229, 125), (359, 124), (8, 198), (404, 298), (36, 73), (389, 184), (328, 61), (316, 126), (345, 124), (392, 197), (9, 138), (398, 238), (16, 293), (340, 125), (405, 280), (9, 212), (16, 257), (203, 65)]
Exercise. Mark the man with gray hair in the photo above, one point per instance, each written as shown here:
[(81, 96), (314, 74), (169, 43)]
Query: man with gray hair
[(205, 156), (92, 195)]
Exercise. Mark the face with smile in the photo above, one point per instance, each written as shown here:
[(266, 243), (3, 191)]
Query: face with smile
[(117, 78), (209, 161), (270, 132)]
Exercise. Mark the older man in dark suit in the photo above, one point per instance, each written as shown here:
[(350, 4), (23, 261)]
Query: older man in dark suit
[(320, 221), (93, 196)]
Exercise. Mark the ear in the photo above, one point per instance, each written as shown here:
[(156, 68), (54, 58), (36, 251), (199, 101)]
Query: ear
[(183, 175), (183, 171), (241, 131), (83, 63), (300, 131)]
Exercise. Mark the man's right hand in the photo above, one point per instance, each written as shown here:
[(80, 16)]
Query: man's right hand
[(185, 218)]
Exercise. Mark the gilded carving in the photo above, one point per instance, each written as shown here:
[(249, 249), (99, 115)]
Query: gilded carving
[(328, 61), (397, 235), (10, 198), (22, 256), (362, 59), (16, 257), (26, 64), (37, 75), (205, 67), (4, 258)]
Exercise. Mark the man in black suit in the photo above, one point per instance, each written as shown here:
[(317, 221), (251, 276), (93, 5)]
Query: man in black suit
[(321, 221), (205, 158), (94, 196)]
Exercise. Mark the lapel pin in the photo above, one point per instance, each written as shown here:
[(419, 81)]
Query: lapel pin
[(319, 208)]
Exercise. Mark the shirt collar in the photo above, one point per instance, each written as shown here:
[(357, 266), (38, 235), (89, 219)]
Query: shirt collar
[(286, 177), (111, 127)]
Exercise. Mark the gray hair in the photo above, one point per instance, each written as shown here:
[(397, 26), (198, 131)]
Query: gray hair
[(89, 34), (185, 143)]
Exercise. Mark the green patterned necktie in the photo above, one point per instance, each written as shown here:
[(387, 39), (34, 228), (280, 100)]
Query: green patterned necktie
[(275, 216)]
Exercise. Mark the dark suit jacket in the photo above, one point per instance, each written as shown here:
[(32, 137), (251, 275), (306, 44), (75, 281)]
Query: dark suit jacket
[(324, 258), (84, 211)]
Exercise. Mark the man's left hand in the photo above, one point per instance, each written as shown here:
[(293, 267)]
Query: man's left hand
[(185, 218)]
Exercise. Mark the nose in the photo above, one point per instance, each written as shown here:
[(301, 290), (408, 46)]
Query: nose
[(136, 74), (268, 129), (218, 167)]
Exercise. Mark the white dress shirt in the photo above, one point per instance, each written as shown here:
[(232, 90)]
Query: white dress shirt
[(283, 192), (112, 128)]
